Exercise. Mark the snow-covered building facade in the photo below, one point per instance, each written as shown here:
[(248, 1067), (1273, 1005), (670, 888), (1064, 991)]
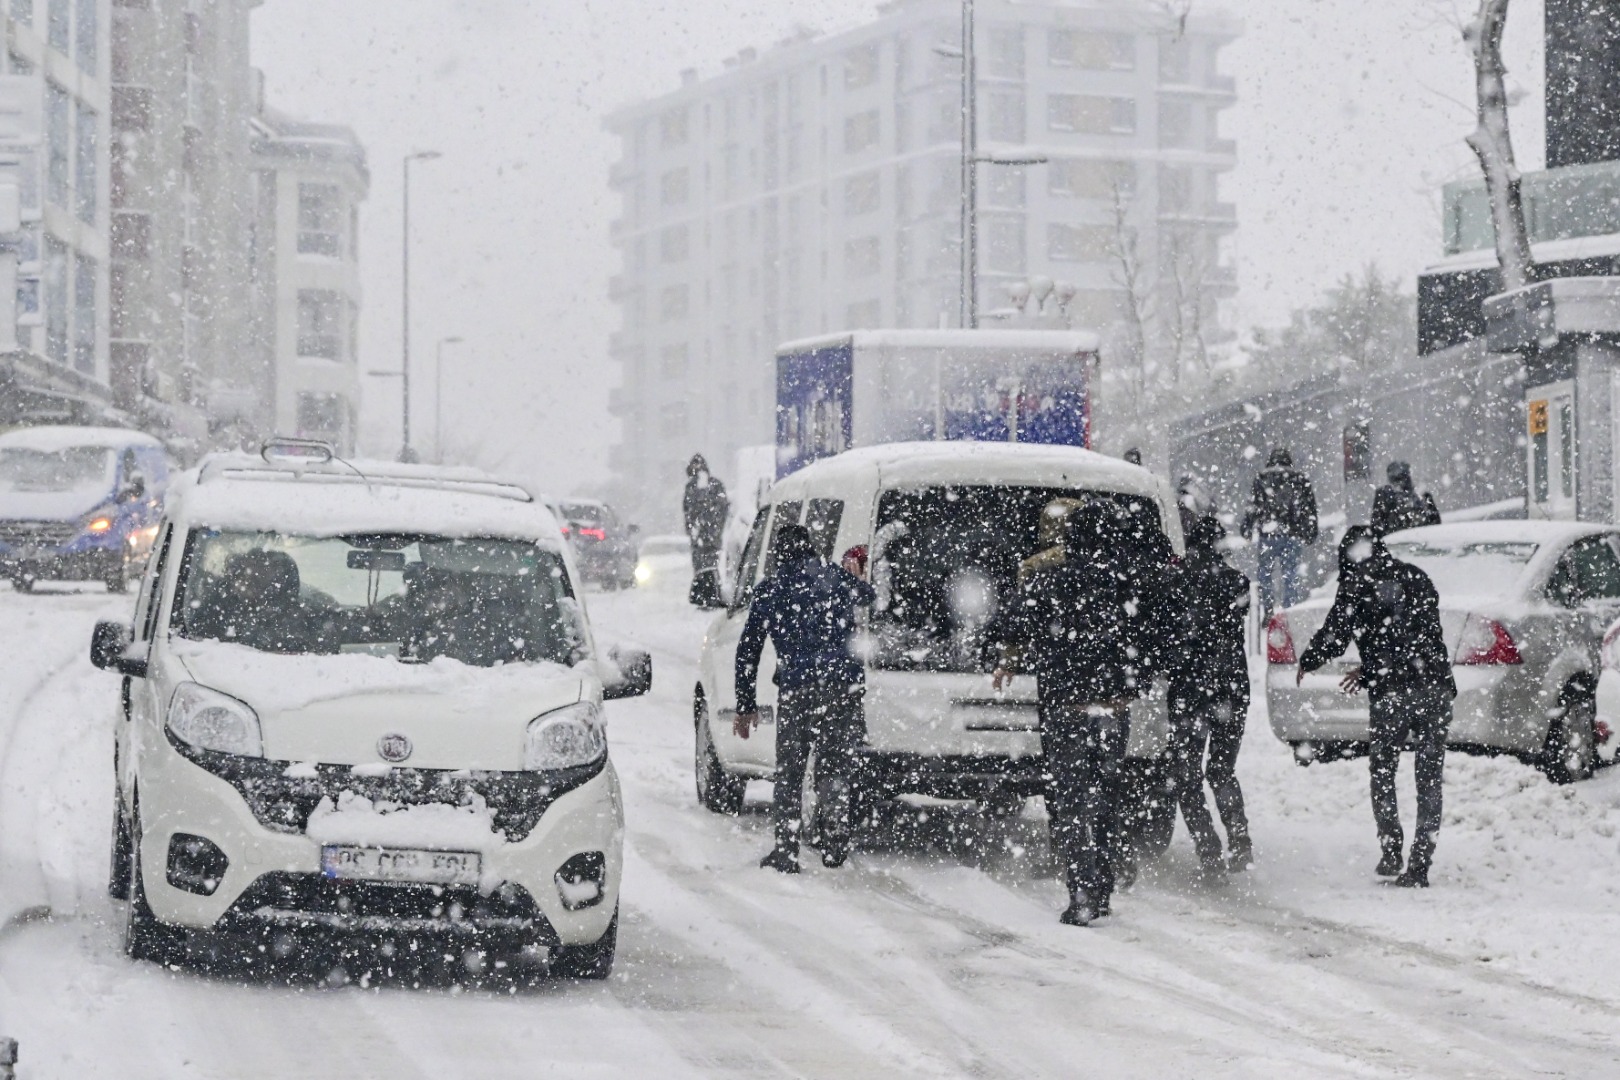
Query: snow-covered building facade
[(816, 187)]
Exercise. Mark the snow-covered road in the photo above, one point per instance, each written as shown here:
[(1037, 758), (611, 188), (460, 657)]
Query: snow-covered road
[(936, 952)]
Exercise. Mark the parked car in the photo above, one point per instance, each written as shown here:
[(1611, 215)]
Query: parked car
[(605, 545), (1606, 731), (1524, 605), (946, 525), (364, 703), (78, 504), (663, 561)]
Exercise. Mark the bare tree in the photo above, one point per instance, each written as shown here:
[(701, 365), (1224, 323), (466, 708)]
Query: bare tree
[(1493, 146)]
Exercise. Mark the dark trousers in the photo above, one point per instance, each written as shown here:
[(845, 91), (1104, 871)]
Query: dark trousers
[(705, 591), (1215, 727), (1084, 748), (828, 720), (1422, 715)]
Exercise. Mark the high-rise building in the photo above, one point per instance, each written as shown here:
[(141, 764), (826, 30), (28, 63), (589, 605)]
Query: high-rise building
[(816, 186)]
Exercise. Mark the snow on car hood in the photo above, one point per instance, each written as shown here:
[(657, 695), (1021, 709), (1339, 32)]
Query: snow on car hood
[(51, 505), (336, 709)]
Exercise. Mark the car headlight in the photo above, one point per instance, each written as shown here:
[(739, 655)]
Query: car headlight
[(565, 738), (643, 573), (99, 522), (210, 720)]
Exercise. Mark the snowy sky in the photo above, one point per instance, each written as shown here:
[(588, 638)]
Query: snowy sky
[(1352, 112)]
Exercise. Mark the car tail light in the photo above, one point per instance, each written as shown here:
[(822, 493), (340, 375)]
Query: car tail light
[(594, 534), (1610, 652), (1486, 641), (1279, 642)]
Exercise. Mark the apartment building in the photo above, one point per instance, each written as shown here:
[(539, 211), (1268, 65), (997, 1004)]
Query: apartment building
[(815, 186), (55, 102)]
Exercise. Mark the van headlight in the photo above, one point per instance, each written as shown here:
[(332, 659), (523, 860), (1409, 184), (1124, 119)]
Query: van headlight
[(565, 738), (210, 720)]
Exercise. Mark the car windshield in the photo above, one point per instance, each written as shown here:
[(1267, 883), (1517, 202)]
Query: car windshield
[(411, 597), (1464, 569), (76, 468), (581, 513)]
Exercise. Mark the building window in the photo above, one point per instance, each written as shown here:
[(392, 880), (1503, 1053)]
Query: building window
[(1006, 120), (1092, 179), (672, 420), (132, 237), (320, 220), (864, 315), (1175, 189), (58, 136), (56, 301), (322, 415), (23, 11), (674, 244), (863, 257), (1004, 245), (84, 40), (1079, 243), (1005, 188), (1004, 53), (84, 165), (131, 108), (862, 193), (673, 187), (674, 359), (1175, 61), (861, 131), (1087, 115), (320, 324), (84, 314), (1175, 124), (674, 302), (58, 24), (673, 127), (1094, 52), (861, 68)]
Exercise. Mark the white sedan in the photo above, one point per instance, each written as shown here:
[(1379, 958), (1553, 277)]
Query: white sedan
[(1607, 728)]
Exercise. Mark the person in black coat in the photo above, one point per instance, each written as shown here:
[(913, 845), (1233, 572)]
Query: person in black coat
[(1390, 609), (1282, 521), (1209, 692), (1397, 505), (808, 609), (706, 507), (1087, 627)]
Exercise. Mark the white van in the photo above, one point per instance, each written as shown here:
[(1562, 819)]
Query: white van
[(363, 700), (946, 525)]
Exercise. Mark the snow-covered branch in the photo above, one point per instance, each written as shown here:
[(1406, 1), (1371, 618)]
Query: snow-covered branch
[(1493, 146)]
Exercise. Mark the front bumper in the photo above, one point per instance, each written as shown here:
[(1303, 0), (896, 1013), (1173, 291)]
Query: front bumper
[(273, 878)]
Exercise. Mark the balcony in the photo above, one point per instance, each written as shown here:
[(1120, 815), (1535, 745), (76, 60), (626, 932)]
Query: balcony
[(622, 403), (621, 173)]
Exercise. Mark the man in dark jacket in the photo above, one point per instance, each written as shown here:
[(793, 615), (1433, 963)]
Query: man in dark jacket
[(1282, 521), (1086, 625), (1209, 692), (807, 608), (706, 509), (1397, 505), (1391, 611)]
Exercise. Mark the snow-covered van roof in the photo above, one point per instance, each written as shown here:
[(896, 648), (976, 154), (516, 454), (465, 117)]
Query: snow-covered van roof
[(241, 491), (1071, 341), (54, 438)]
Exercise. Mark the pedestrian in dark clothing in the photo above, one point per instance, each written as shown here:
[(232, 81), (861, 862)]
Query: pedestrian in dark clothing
[(1209, 692), (1397, 505), (1282, 522), (808, 609), (707, 508), (1086, 625), (1391, 611)]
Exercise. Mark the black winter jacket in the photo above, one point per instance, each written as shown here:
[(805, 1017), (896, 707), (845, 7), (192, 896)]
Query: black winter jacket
[(1391, 611), (808, 610), (706, 507), (1206, 659), (1396, 507), (1283, 502)]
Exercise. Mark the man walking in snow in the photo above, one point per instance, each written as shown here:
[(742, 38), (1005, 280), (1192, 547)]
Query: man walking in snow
[(1397, 505), (707, 508), (1391, 611), (808, 609), (1282, 521), (1085, 624)]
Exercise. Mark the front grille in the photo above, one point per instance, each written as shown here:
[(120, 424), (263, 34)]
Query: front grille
[(37, 533), (516, 800)]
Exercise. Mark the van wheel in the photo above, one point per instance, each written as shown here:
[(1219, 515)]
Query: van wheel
[(587, 961), (1570, 752), (145, 937), (118, 873), (23, 583), (717, 790)]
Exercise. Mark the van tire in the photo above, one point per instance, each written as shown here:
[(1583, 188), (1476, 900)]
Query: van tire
[(118, 873), (717, 790), (145, 937), (594, 961)]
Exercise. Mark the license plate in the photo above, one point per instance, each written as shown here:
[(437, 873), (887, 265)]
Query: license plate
[(400, 864)]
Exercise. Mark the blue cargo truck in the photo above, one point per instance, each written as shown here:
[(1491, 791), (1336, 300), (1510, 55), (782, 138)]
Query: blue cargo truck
[(865, 387)]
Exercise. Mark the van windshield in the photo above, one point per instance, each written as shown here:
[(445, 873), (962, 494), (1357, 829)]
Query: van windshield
[(414, 598), (75, 468), (946, 567)]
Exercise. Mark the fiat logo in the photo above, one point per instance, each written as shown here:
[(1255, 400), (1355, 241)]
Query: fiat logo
[(395, 748)]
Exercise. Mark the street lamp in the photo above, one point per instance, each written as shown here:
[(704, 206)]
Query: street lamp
[(405, 452), (438, 396)]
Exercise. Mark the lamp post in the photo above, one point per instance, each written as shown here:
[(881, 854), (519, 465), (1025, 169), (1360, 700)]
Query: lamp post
[(438, 397), (406, 453)]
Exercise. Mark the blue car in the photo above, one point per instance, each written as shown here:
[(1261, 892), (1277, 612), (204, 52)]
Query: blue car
[(79, 504)]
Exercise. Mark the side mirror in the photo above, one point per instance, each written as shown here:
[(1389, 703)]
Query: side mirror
[(134, 490), (635, 674), (108, 644), (633, 529)]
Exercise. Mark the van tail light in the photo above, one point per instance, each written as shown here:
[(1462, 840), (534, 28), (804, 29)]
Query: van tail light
[(1611, 648), (1486, 641), (594, 534), (1279, 641)]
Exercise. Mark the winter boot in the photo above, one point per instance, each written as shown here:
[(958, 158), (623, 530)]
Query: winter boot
[(781, 860), (1390, 864), (1212, 873), (1080, 912), (1413, 878), (1239, 858), (834, 851)]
